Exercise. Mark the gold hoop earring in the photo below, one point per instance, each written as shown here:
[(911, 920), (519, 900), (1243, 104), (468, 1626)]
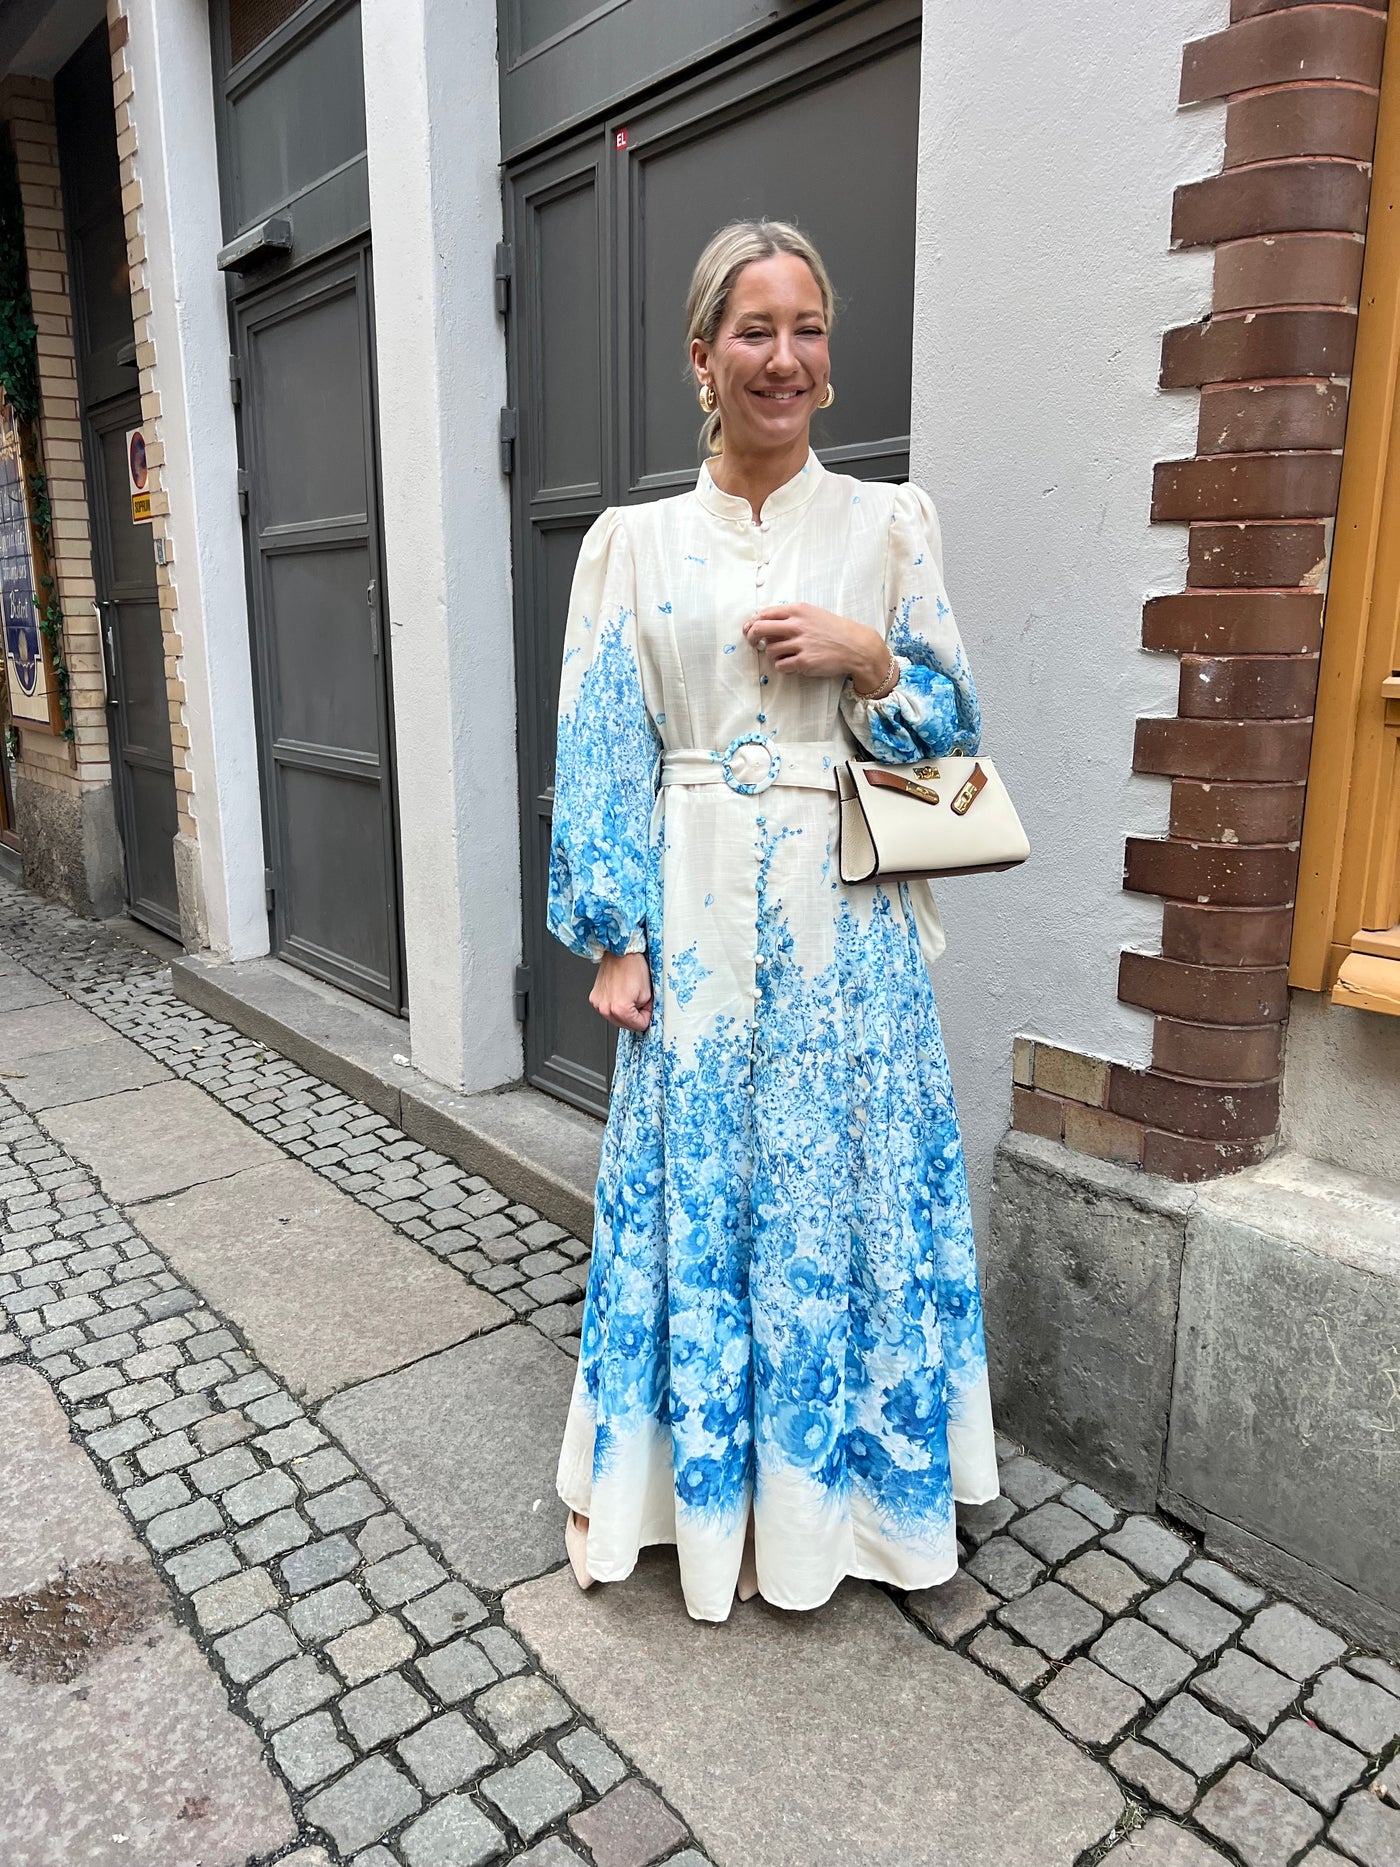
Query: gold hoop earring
[(708, 398), (828, 397)]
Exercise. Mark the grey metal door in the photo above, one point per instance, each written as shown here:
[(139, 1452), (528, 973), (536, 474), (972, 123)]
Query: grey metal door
[(123, 556), (312, 474), (133, 648), (294, 179), (817, 125)]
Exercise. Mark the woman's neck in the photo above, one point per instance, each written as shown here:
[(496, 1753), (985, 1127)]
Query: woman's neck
[(755, 476)]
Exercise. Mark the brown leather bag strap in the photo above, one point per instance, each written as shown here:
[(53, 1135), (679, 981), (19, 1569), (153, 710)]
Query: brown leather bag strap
[(888, 780)]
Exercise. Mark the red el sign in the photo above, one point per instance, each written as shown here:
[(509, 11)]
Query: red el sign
[(620, 139)]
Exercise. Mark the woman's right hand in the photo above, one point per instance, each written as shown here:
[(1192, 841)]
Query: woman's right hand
[(622, 990)]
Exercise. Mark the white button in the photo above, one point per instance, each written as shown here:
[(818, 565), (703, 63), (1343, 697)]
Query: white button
[(758, 991), (763, 525), (759, 574), (748, 1087), (759, 960)]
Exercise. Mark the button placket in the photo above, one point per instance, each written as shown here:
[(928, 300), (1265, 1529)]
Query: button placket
[(756, 989), (760, 577)]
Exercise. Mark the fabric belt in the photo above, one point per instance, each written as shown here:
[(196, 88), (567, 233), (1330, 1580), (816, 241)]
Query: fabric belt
[(754, 763)]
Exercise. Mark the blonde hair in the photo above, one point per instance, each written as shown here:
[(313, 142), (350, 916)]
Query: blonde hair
[(724, 258)]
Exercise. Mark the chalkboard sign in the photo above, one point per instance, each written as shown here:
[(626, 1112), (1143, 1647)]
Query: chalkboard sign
[(26, 665)]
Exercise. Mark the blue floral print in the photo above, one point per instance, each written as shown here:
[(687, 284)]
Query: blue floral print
[(782, 1315), (605, 780), (687, 974)]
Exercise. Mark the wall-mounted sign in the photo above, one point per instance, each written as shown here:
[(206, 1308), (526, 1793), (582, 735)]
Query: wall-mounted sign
[(26, 665), (138, 476)]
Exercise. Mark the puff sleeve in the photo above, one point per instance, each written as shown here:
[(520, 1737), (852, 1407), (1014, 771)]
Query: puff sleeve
[(933, 711), (607, 760)]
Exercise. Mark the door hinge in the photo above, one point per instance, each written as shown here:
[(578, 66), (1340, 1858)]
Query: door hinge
[(235, 381), (269, 888), (243, 492), (372, 598), (509, 429), (505, 272), (522, 993)]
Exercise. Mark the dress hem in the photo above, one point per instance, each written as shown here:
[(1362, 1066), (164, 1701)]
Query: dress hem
[(856, 1573)]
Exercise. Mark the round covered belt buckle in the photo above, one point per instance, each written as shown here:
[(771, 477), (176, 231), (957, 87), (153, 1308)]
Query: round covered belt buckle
[(754, 787)]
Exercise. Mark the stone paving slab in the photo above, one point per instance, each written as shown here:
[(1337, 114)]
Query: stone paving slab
[(466, 1444), (1368, 1830), (156, 1141), (1266, 1824), (58, 1078), (135, 1756), (327, 1292), (20, 988), (801, 1740), (1163, 1844), (45, 1028)]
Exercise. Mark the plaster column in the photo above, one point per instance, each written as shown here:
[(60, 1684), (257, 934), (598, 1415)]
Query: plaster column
[(172, 110), (434, 150)]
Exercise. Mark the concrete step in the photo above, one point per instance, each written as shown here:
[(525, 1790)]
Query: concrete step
[(538, 1151)]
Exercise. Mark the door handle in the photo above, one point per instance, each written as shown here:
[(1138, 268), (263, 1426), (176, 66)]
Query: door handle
[(372, 599), (104, 636)]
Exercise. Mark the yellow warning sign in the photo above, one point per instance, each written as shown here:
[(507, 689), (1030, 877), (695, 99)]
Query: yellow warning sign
[(138, 475)]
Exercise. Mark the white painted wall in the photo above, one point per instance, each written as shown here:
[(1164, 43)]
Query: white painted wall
[(173, 108), (434, 146), (1050, 144)]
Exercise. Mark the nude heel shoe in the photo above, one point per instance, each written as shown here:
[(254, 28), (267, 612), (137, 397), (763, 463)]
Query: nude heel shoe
[(747, 1585), (576, 1545)]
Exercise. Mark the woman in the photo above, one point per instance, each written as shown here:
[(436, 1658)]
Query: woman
[(782, 1360)]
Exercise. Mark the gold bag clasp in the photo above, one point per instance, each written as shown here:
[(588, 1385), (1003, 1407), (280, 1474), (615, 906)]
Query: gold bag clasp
[(970, 792)]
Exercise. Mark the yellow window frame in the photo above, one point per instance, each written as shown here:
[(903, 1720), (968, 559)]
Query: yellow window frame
[(1346, 926)]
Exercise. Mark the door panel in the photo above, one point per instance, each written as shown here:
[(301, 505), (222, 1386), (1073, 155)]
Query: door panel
[(563, 61), (94, 222), (313, 541), (145, 707), (335, 896), (150, 855), (820, 127), (138, 719), (570, 417), (575, 1048), (299, 117), (558, 491), (836, 153), (312, 361), (317, 593), (123, 556)]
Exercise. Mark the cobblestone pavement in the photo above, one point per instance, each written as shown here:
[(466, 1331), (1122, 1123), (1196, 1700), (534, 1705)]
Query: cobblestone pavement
[(403, 1719)]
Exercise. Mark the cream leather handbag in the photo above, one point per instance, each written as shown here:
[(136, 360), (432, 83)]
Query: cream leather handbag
[(943, 816)]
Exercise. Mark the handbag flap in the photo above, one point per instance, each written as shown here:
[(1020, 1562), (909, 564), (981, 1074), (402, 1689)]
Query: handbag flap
[(942, 816)]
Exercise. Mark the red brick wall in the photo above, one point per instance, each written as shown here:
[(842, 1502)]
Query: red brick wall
[(1286, 218)]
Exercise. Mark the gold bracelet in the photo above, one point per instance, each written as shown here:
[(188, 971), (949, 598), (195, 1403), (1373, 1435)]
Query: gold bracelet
[(886, 687)]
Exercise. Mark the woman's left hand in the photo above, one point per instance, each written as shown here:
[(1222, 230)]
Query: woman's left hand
[(799, 638)]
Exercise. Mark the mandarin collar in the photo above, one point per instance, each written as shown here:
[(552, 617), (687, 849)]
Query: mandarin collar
[(789, 497)]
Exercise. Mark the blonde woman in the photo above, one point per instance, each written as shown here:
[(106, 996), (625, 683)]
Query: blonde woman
[(782, 1367)]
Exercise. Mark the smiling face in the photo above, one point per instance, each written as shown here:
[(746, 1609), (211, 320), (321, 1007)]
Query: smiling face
[(768, 363)]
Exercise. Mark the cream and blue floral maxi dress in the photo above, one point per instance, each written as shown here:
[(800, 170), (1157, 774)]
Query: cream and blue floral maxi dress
[(782, 1309)]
